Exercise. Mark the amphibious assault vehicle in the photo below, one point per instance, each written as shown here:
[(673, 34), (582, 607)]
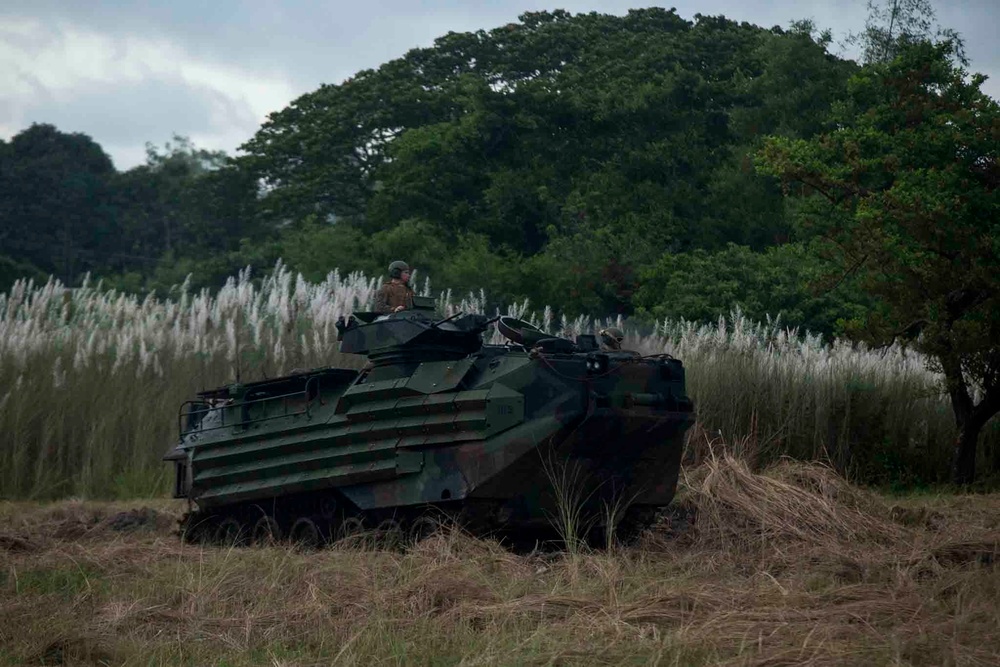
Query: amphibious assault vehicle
[(437, 425)]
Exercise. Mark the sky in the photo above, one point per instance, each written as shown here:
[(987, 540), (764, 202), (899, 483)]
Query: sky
[(138, 72)]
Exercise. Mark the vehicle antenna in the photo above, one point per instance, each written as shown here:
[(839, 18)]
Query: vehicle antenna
[(238, 329)]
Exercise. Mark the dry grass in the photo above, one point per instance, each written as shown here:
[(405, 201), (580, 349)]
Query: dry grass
[(790, 566)]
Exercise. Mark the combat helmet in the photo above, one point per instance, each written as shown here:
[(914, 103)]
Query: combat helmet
[(612, 337), (396, 269)]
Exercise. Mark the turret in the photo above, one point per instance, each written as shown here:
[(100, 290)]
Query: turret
[(412, 334)]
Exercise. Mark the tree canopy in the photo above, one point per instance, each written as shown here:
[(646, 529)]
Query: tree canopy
[(598, 164), (906, 200), (579, 149), (53, 193)]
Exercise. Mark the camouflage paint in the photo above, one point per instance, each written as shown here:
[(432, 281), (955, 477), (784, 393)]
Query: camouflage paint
[(438, 417)]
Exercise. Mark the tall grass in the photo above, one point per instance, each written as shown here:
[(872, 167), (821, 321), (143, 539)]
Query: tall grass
[(878, 415), (91, 379)]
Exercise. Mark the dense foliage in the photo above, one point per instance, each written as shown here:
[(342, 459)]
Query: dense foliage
[(565, 159), (65, 211), (905, 196), (556, 158)]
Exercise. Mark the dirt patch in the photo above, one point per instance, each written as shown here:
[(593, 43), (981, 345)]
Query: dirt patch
[(18, 544), (144, 518), (73, 651)]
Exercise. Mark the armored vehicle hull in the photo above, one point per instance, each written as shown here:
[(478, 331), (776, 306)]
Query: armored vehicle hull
[(436, 425)]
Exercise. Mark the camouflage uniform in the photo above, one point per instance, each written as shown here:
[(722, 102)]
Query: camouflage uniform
[(393, 294)]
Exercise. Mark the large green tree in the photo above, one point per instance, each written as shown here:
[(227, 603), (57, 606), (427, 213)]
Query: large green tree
[(182, 199), (906, 200), (186, 209), (579, 147), (55, 202), (785, 281), (894, 25)]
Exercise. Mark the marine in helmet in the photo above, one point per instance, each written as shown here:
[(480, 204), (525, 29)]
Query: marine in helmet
[(611, 339), (395, 294)]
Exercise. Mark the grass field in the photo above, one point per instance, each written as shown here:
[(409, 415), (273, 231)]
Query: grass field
[(790, 566)]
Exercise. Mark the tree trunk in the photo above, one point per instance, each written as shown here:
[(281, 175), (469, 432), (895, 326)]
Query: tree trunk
[(963, 460), (970, 420), (963, 467), (995, 460)]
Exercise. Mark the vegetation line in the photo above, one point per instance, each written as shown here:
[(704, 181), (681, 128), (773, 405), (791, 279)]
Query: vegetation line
[(93, 379)]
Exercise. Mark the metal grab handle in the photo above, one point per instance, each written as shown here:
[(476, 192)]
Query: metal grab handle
[(447, 319)]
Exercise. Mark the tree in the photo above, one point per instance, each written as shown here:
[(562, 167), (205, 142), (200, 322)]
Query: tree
[(55, 201), (783, 281), (568, 153), (892, 25), (11, 271), (185, 201), (909, 179)]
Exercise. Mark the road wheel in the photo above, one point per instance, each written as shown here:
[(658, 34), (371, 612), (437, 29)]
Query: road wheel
[(423, 527), (390, 534), (351, 528), (197, 529), (306, 534), (266, 532), (231, 533)]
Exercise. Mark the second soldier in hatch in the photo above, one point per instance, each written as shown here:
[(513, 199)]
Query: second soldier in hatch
[(395, 294)]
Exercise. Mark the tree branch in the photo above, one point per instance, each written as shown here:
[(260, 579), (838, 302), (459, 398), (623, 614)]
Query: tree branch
[(815, 187), (957, 387)]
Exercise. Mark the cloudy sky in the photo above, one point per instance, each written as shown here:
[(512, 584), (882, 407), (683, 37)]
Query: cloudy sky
[(131, 72)]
